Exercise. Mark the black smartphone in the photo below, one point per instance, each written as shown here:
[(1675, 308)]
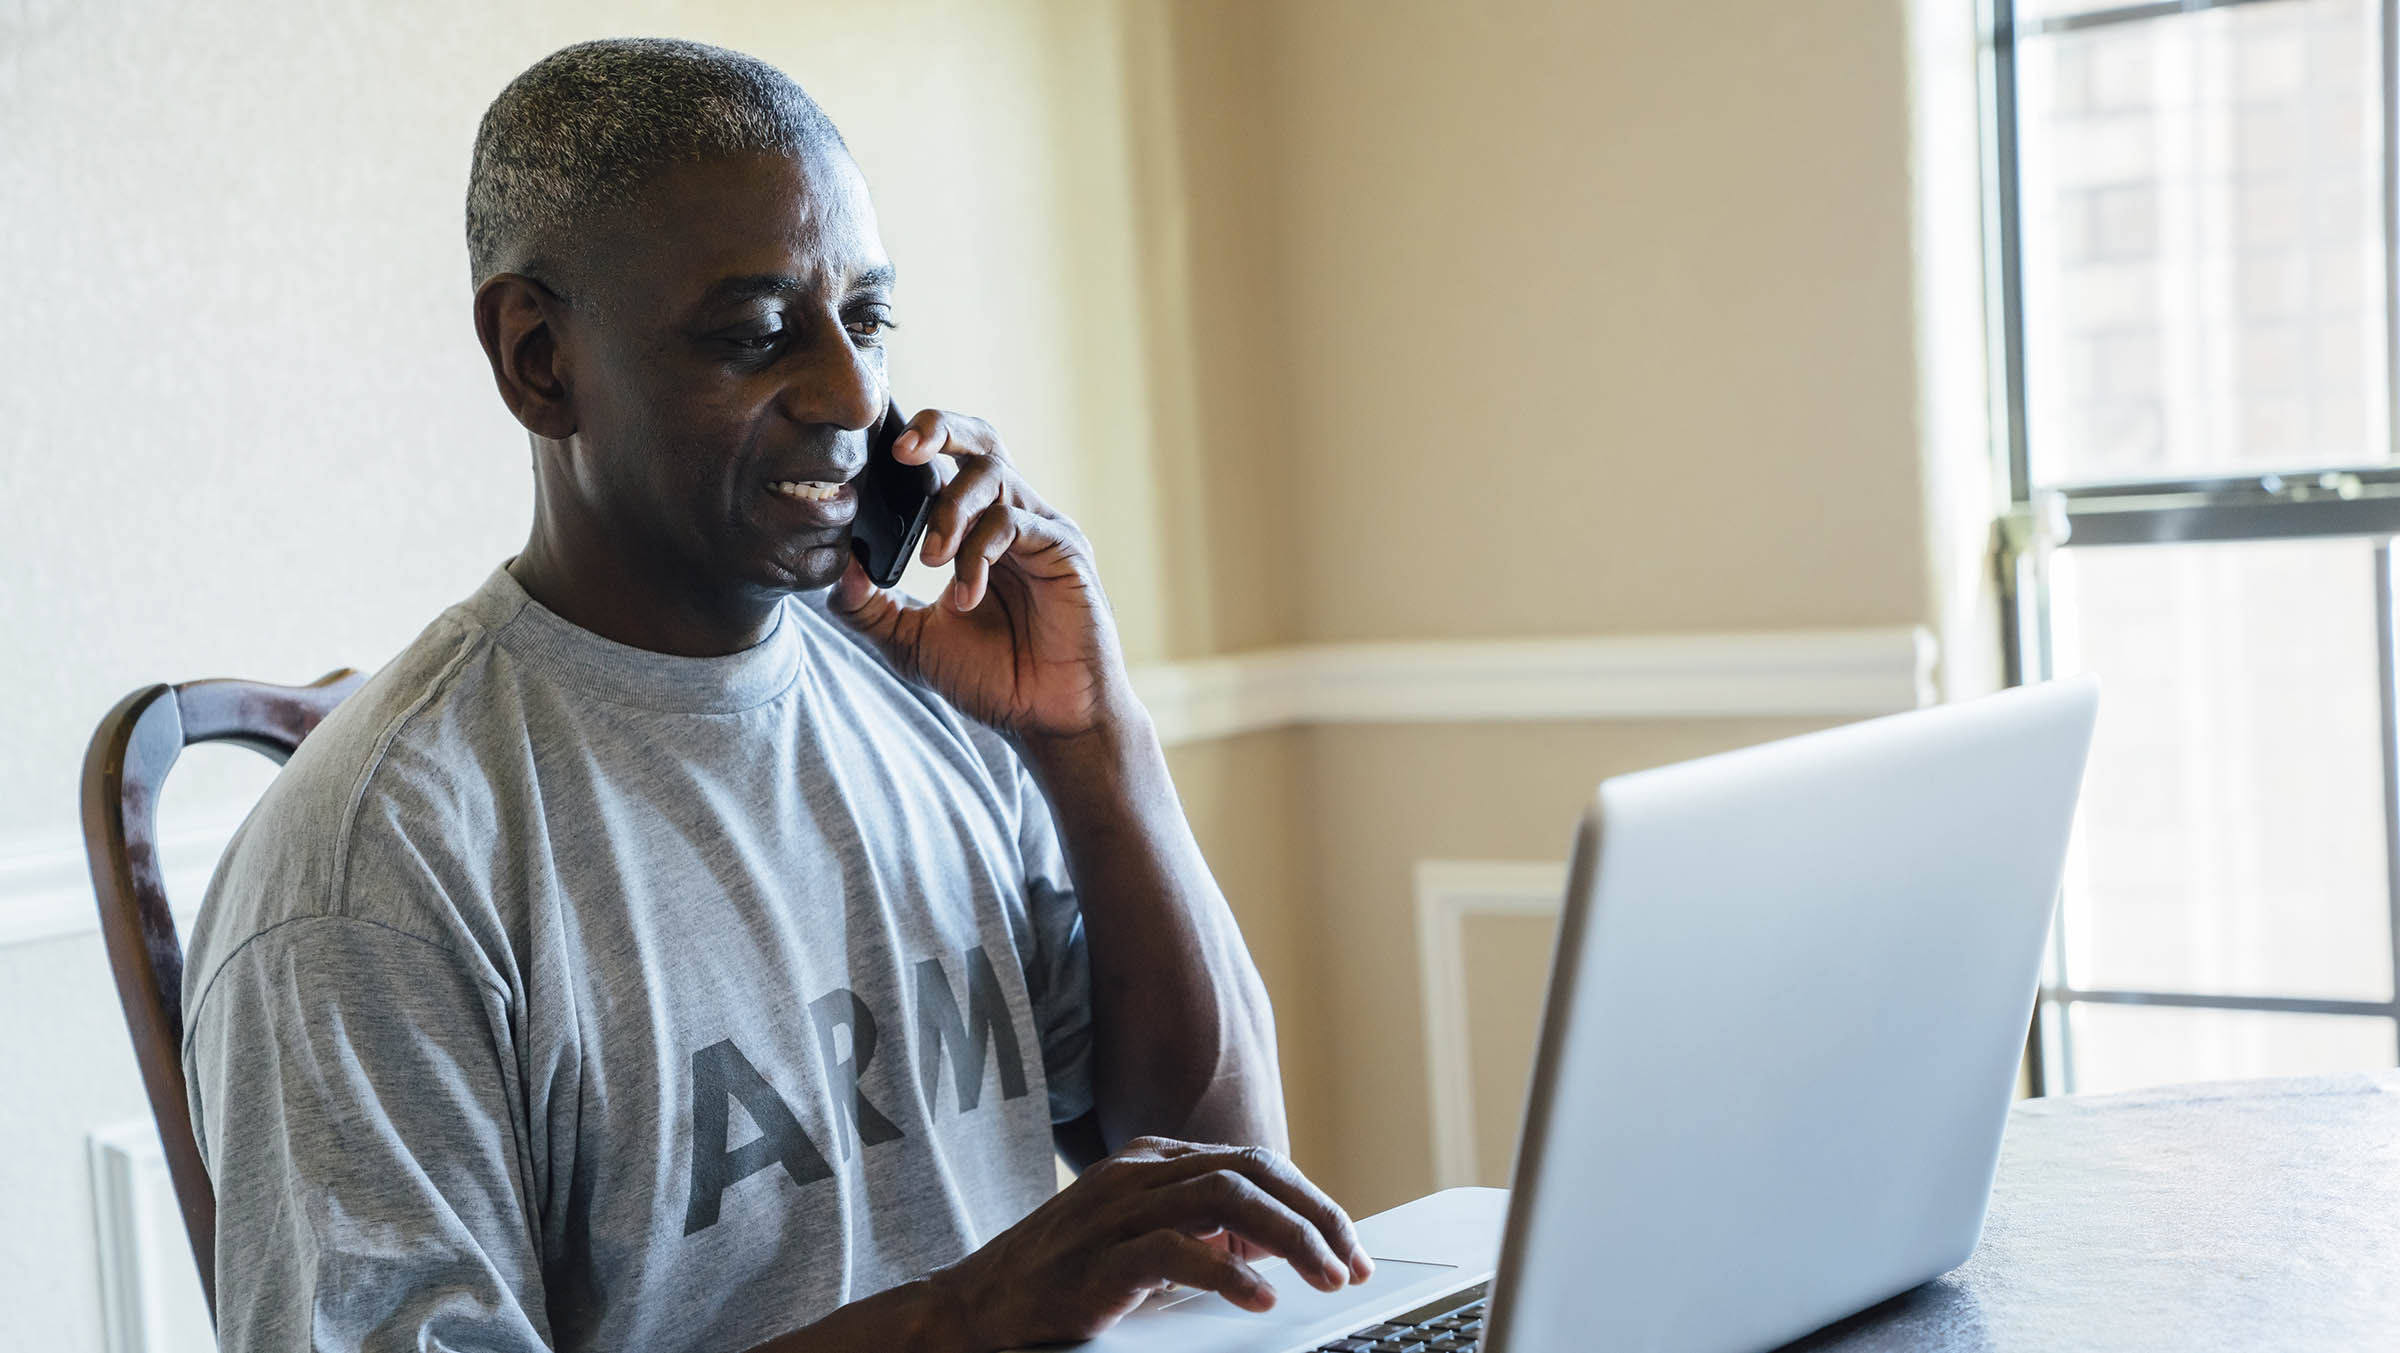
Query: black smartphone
[(893, 502)]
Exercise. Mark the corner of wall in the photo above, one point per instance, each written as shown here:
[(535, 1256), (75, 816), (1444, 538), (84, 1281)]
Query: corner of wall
[(1203, 153), (1955, 435)]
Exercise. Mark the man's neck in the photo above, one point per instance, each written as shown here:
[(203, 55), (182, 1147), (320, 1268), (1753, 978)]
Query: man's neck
[(637, 607)]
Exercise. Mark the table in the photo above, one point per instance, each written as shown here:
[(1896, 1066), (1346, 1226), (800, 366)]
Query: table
[(2248, 1215)]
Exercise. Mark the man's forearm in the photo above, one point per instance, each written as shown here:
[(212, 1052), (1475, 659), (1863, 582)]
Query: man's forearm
[(1183, 1038)]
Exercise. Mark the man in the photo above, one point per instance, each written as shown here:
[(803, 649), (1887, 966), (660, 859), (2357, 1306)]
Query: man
[(684, 943)]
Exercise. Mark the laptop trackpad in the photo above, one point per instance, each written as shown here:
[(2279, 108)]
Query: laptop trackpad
[(1297, 1303)]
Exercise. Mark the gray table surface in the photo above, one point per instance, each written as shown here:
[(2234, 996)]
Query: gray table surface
[(2246, 1215)]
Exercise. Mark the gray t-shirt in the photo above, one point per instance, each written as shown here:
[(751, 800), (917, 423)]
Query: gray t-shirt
[(562, 994)]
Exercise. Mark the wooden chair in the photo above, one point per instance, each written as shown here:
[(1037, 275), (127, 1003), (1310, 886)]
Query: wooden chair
[(135, 747)]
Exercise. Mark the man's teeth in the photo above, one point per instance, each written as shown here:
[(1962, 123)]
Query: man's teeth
[(814, 490)]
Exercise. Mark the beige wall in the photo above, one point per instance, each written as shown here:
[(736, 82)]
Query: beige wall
[(1604, 312), (1526, 318)]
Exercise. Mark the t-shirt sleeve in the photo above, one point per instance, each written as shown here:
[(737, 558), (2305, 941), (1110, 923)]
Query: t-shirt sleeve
[(1058, 976), (355, 1102)]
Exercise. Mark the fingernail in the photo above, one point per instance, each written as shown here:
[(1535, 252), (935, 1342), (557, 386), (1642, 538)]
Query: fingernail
[(906, 441)]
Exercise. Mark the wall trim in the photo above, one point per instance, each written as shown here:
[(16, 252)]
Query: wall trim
[(1448, 892), (46, 886), (46, 893), (1758, 674), (150, 1299)]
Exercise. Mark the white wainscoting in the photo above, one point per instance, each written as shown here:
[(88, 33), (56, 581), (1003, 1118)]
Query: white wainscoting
[(45, 891), (149, 1289), (1449, 893)]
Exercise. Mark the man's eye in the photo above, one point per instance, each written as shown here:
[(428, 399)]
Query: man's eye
[(869, 329), (755, 342)]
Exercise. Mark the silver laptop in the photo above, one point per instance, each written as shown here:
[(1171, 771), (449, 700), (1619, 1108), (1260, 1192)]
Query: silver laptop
[(1782, 1033)]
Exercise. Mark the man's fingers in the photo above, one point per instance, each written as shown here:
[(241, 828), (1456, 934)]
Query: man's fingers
[(1036, 546), (885, 617), (921, 440), (1275, 1173), (1230, 1201), (977, 486), (857, 599), (974, 488), (1236, 1246), (1171, 1256), (989, 538), (1162, 1148), (979, 460), (936, 432)]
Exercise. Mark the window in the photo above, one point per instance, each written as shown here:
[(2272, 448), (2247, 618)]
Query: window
[(2193, 218)]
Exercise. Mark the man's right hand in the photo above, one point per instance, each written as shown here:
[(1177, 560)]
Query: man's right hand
[(1155, 1213)]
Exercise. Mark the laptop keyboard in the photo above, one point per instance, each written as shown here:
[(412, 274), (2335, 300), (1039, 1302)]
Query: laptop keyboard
[(1448, 1323)]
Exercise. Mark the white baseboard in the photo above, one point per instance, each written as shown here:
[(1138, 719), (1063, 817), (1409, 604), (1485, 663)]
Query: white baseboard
[(1448, 892)]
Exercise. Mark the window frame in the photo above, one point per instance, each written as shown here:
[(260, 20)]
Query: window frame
[(2334, 501)]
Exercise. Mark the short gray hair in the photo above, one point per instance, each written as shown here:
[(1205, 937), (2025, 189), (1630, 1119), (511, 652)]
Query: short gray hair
[(584, 127)]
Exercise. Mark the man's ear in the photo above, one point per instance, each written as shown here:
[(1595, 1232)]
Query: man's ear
[(517, 319)]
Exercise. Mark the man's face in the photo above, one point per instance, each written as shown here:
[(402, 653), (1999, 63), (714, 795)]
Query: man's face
[(726, 353)]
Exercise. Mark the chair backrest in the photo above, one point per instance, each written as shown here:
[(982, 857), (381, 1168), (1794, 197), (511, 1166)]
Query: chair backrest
[(131, 753)]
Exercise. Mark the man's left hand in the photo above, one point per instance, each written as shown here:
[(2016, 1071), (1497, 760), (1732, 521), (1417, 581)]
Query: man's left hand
[(1022, 638)]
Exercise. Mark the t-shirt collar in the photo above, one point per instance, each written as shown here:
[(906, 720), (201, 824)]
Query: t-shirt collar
[(636, 676)]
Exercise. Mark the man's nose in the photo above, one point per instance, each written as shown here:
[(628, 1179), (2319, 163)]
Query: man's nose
[(840, 383)]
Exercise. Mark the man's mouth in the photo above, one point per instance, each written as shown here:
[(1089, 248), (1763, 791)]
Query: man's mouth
[(810, 505), (807, 490)]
